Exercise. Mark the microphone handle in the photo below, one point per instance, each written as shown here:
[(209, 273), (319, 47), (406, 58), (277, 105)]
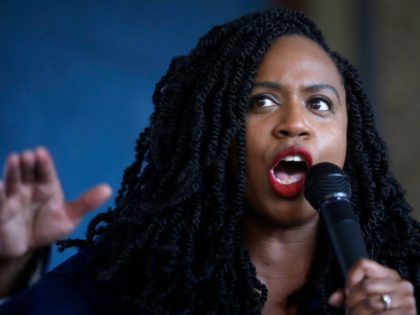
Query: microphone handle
[(343, 232)]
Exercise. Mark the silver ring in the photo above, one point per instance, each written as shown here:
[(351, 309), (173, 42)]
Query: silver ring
[(387, 301)]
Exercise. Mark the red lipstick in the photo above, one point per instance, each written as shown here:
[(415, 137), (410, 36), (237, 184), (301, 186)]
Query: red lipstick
[(288, 171)]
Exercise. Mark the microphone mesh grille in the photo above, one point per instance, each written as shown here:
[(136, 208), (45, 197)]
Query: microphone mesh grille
[(323, 180)]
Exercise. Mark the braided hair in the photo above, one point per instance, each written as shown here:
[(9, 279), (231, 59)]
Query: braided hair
[(172, 243)]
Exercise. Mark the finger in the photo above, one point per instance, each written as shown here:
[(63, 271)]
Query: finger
[(370, 305), (27, 165), (366, 268), (371, 291), (370, 288), (367, 305), (44, 166), (337, 298), (2, 195), (89, 200), (12, 174), (375, 305)]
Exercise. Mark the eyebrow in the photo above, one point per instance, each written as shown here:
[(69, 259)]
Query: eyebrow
[(310, 88)]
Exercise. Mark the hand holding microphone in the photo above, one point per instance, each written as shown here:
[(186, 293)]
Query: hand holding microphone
[(369, 286)]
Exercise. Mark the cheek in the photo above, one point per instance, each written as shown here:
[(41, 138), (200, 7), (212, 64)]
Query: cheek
[(343, 140), (253, 140), (333, 144), (342, 152), (339, 145)]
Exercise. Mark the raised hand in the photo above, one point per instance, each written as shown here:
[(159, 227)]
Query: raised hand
[(33, 212), (374, 289)]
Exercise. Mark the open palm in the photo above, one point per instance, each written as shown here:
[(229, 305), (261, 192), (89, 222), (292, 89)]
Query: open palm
[(33, 211)]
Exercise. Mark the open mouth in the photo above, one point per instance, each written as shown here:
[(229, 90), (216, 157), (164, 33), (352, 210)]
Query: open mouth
[(287, 175), (290, 169)]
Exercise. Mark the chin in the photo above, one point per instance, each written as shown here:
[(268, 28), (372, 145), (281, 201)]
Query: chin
[(286, 214)]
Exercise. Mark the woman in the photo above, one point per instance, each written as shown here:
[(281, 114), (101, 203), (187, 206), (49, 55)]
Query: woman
[(211, 217)]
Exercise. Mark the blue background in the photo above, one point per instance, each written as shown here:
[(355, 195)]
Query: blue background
[(77, 77)]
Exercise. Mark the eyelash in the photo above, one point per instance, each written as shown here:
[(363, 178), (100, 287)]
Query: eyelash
[(324, 99), (253, 101), (259, 97)]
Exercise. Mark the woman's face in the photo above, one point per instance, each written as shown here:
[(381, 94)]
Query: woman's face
[(297, 117)]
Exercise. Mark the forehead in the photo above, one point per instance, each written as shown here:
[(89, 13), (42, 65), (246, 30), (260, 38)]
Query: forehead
[(299, 58)]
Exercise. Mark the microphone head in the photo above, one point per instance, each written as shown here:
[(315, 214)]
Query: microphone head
[(326, 180)]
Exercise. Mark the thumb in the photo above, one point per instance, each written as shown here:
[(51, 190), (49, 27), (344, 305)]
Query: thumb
[(337, 298), (88, 201)]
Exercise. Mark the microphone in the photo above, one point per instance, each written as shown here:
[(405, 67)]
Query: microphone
[(328, 190)]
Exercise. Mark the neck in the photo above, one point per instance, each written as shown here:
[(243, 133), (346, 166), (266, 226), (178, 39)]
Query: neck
[(275, 249), (282, 255)]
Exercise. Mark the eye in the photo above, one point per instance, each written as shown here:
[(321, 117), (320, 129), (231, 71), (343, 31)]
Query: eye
[(262, 100), (320, 103)]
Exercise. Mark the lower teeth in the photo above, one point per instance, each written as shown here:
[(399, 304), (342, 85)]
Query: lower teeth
[(287, 181)]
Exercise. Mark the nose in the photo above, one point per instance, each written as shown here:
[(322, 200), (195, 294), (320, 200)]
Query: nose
[(292, 121)]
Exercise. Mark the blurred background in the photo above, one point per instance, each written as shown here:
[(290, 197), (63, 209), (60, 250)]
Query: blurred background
[(77, 76)]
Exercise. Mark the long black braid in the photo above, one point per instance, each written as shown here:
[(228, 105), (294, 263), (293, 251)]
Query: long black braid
[(172, 242)]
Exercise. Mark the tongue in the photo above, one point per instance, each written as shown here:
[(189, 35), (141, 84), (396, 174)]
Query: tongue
[(290, 170)]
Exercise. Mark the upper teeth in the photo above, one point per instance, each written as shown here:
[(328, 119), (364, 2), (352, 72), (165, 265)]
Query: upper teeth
[(293, 158)]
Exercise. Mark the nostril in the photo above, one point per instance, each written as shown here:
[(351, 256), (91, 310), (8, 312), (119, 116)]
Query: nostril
[(288, 133), (303, 133)]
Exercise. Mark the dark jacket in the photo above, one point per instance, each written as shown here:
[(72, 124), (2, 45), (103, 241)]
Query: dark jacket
[(69, 289)]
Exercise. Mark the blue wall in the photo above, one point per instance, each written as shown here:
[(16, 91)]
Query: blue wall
[(77, 76)]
